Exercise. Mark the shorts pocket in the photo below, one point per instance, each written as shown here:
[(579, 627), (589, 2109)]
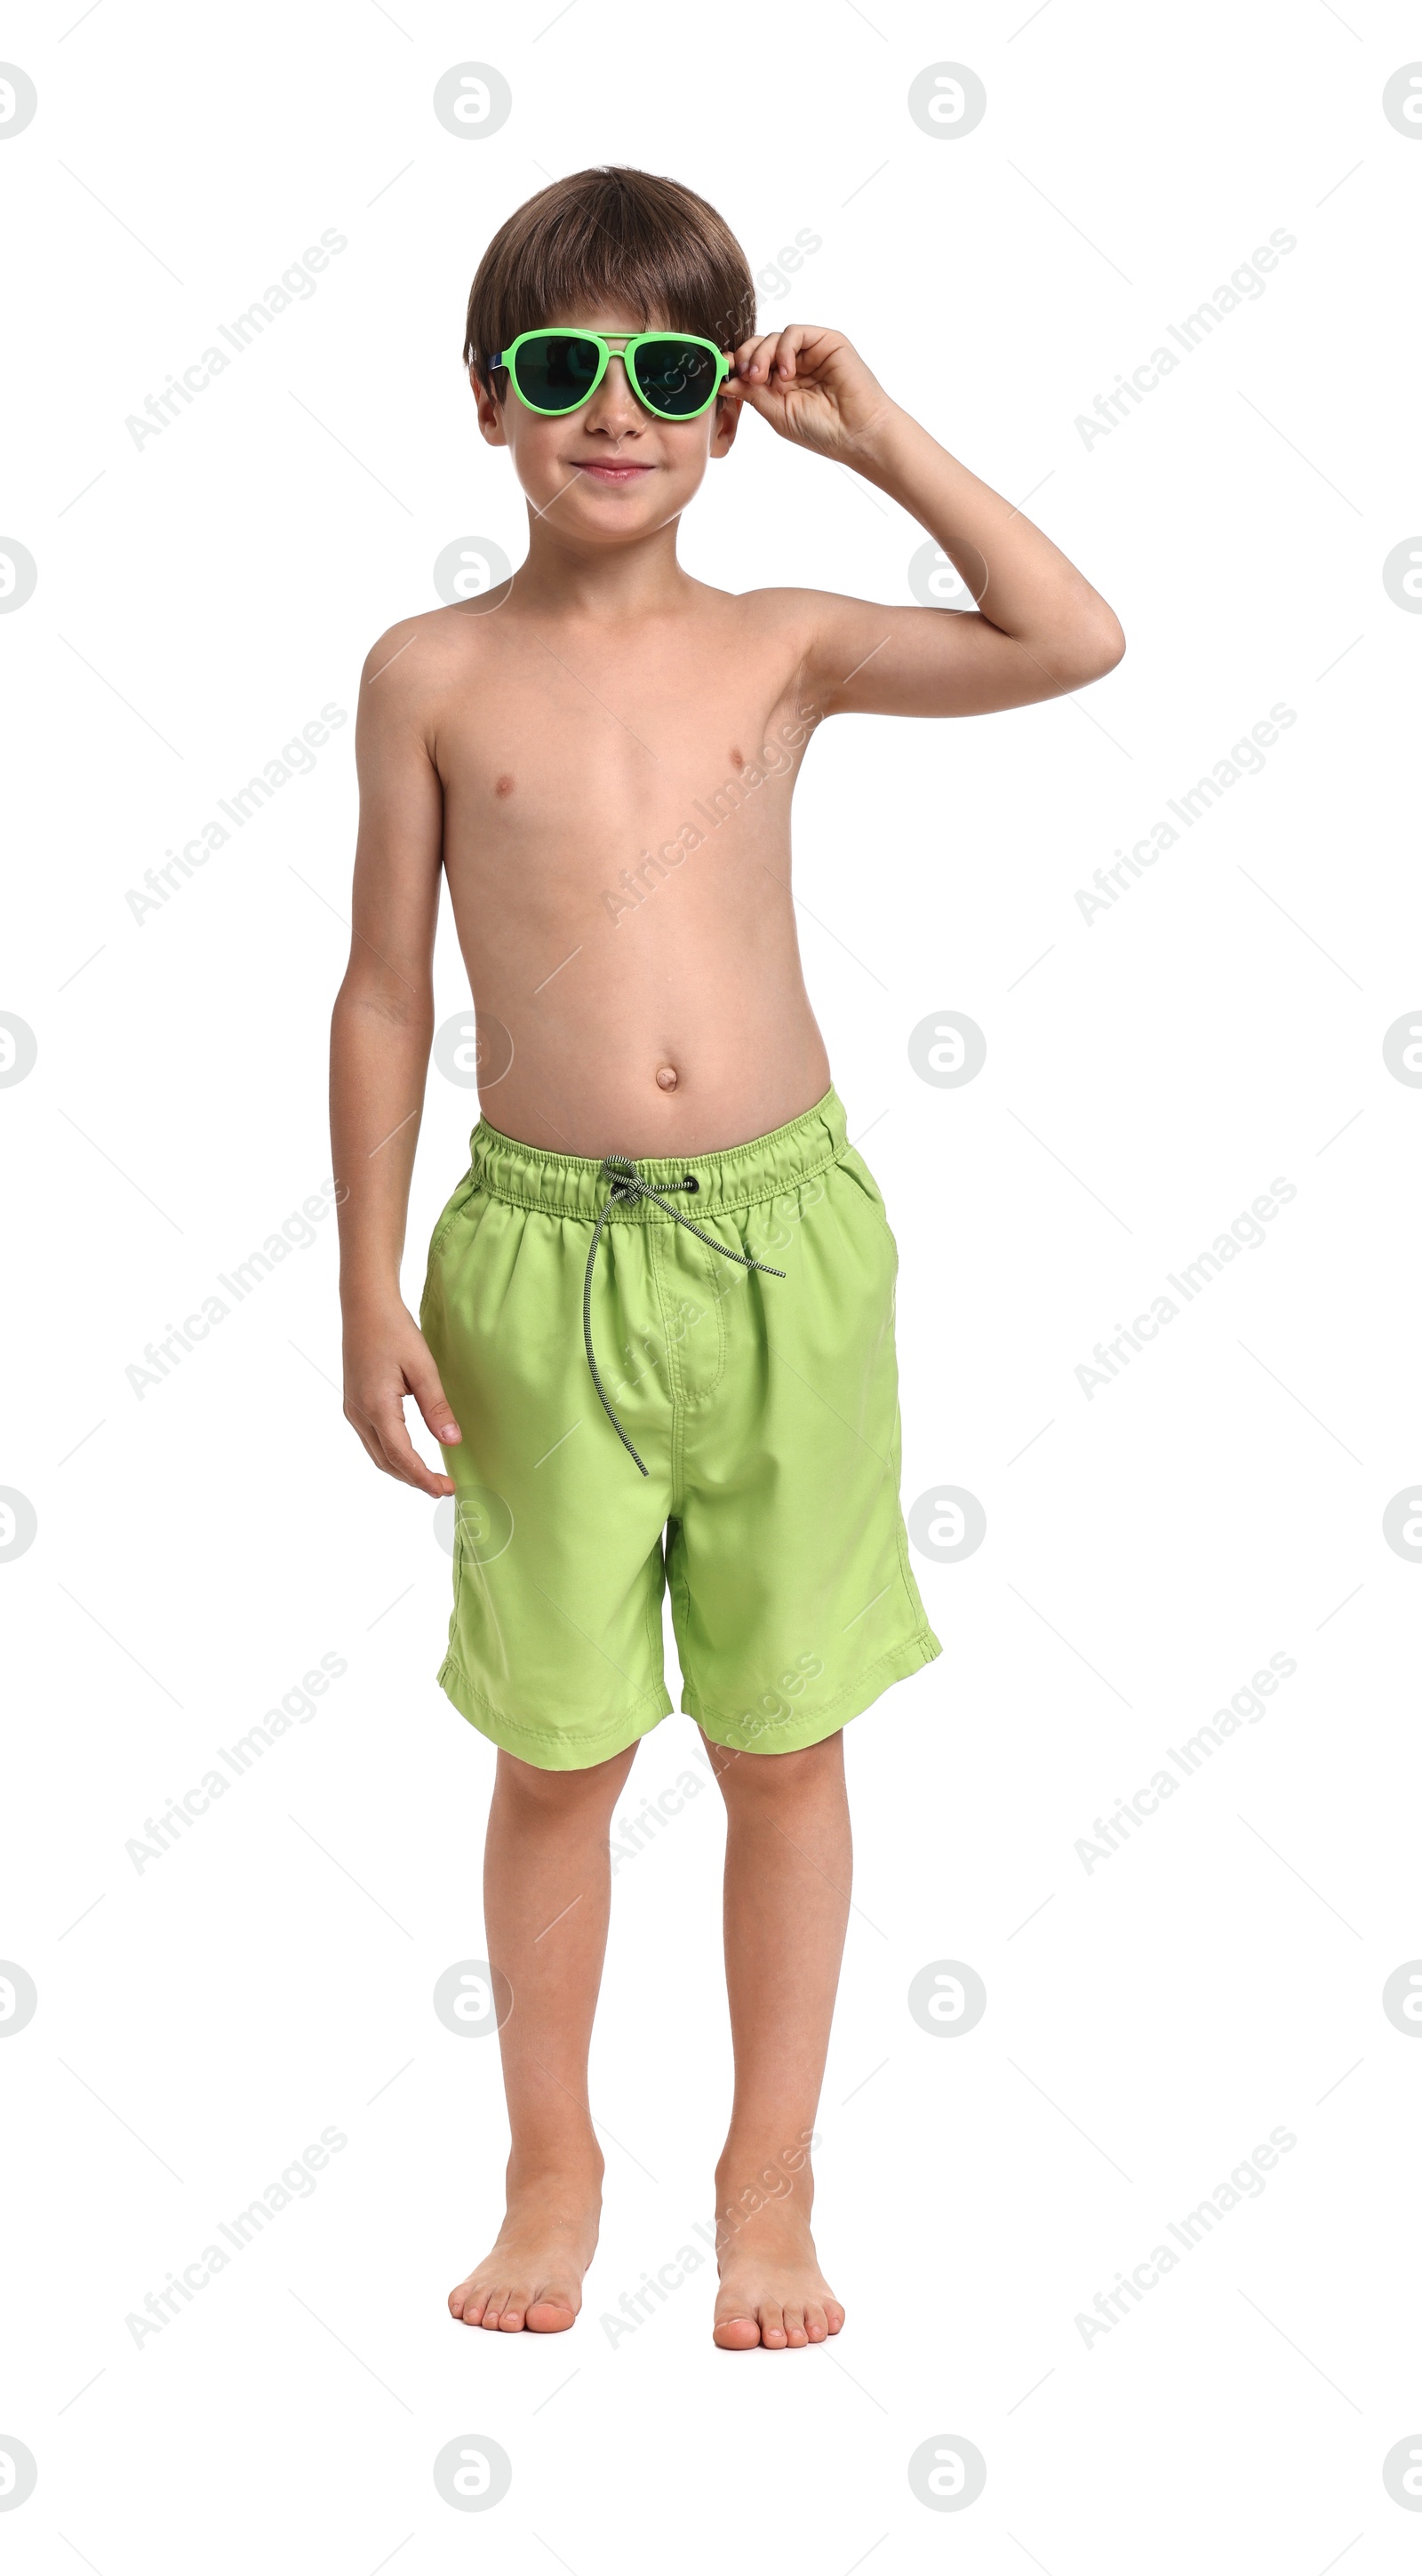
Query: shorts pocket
[(449, 1216), (458, 1571), (857, 1172)]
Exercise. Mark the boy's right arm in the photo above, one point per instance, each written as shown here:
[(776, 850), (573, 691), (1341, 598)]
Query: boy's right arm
[(381, 1030)]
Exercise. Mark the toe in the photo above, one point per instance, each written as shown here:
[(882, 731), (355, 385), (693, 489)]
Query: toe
[(468, 2303), (549, 2314), (834, 2315), (735, 2334), (816, 2327), (795, 2334), (512, 2314), (772, 2325), (493, 2306)]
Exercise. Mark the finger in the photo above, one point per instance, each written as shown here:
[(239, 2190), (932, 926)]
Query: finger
[(434, 1404), (400, 1453), (369, 1433), (805, 346), (757, 359), (370, 1445), (753, 357)]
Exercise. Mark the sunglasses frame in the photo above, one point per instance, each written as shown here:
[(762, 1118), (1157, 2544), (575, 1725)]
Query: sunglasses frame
[(631, 343)]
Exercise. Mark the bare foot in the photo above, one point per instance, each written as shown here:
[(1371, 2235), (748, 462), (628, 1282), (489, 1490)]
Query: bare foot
[(534, 2276), (772, 2289)]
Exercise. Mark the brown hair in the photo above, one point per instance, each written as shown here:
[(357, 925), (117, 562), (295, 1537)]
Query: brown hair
[(610, 235)]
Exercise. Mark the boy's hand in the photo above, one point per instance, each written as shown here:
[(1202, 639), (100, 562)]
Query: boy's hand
[(811, 386), (388, 1358)]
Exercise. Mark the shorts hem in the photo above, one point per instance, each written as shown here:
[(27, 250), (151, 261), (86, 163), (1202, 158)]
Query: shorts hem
[(549, 1748), (795, 1734)]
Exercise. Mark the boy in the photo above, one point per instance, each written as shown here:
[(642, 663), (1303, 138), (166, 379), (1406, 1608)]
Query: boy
[(657, 1336)]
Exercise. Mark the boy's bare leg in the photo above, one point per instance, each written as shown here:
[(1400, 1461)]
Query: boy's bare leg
[(788, 1862), (547, 1876)]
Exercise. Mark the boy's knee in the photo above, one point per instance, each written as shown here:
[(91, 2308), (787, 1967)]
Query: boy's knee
[(560, 1793), (768, 1778)]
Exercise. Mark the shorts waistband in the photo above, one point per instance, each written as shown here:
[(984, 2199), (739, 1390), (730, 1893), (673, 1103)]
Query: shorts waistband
[(739, 1176)]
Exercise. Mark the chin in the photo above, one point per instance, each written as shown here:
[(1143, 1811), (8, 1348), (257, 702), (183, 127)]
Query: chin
[(614, 514)]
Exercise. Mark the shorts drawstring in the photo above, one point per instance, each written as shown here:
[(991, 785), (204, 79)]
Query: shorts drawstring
[(627, 1184)]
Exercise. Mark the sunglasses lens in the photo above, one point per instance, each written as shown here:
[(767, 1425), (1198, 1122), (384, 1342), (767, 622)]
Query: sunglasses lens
[(556, 373), (676, 377)]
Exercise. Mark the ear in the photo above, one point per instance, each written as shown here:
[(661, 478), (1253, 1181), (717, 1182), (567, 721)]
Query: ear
[(727, 420), (490, 410)]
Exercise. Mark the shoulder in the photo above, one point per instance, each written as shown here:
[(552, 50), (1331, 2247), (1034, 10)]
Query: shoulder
[(435, 644), (411, 668), (790, 627), (801, 619), (781, 611)]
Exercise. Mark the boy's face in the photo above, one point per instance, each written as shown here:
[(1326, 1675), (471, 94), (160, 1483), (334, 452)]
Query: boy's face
[(612, 470)]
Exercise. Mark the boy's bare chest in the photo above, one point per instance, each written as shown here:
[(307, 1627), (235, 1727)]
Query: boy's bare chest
[(567, 747)]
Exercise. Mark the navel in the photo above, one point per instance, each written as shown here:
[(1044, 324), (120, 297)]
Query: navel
[(666, 1077)]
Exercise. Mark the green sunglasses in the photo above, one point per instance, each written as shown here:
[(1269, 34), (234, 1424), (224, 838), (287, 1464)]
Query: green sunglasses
[(673, 373)]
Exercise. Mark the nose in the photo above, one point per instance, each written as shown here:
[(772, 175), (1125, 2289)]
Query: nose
[(614, 408)]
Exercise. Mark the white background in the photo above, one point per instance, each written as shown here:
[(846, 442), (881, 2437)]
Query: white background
[(1147, 1075)]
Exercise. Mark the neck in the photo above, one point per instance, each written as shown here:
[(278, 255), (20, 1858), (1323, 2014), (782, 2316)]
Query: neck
[(631, 579)]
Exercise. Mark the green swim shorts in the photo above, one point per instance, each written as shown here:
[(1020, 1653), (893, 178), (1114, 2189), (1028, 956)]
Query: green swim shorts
[(736, 1437)]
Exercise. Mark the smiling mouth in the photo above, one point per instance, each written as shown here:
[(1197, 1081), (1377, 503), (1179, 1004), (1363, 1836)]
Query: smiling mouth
[(613, 472)]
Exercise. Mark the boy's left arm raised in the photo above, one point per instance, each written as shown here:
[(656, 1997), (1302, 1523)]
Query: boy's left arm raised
[(1039, 629)]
